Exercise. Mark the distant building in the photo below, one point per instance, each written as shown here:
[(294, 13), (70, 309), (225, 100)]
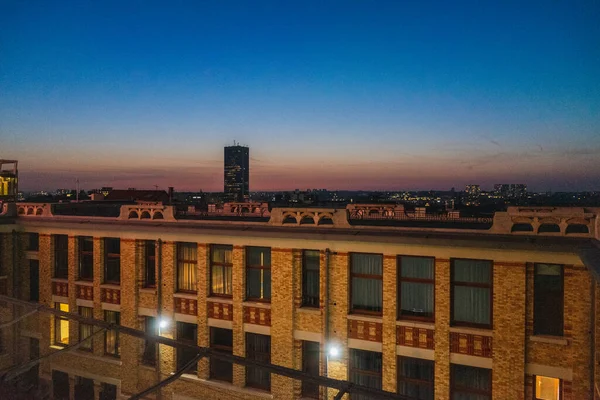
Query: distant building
[(473, 192), (237, 173), (511, 191), (138, 195), (8, 180)]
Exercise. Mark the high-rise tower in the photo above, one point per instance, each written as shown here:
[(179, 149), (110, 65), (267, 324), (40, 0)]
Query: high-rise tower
[(237, 173)]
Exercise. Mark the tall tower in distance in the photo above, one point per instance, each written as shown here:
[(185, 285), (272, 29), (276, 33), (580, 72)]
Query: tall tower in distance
[(237, 173)]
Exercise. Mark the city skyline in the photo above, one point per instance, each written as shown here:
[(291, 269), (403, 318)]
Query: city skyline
[(344, 96)]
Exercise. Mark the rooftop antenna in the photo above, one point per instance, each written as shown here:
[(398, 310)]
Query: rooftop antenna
[(77, 193), (156, 187)]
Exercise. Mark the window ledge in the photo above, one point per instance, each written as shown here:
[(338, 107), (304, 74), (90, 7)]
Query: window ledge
[(84, 283), (190, 296), (549, 339), (228, 386), (147, 367), (216, 299), (309, 310), (256, 304), (110, 286), (362, 317), (63, 280), (472, 331), (415, 324), (57, 347), (148, 290)]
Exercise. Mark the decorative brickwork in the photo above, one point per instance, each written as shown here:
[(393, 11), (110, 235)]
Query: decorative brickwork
[(60, 289), (112, 296), (186, 306), (415, 337), (220, 310), (472, 345), (84, 292), (365, 330), (258, 316)]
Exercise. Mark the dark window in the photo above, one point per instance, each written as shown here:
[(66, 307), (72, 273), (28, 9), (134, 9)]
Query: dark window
[(86, 330), (310, 278), (33, 241), (221, 267), (472, 293), (34, 280), (2, 255), (258, 347), (2, 345), (60, 385), (86, 258), (415, 378), (112, 260), (149, 264), (108, 391), (32, 376), (61, 256), (416, 287), (187, 333), (61, 325), (470, 383), (310, 364), (222, 341), (258, 273), (187, 260), (84, 388), (149, 354), (548, 295), (112, 347), (366, 283), (365, 369)]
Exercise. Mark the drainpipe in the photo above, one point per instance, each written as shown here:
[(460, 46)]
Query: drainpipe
[(16, 292), (326, 311), (593, 357), (158, 260)]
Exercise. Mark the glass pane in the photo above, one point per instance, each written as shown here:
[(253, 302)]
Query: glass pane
[(416, 299), (371, 264), (547, 388), (221, 254), (258, 256), (311, 259), (472, 304), (416, 267), (367, 294), (476, 271), (548, 269)]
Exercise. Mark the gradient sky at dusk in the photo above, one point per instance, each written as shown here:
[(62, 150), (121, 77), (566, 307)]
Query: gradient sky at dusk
[(327, 94)]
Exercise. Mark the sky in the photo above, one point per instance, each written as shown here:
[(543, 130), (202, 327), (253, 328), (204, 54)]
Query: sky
[(374, 95)]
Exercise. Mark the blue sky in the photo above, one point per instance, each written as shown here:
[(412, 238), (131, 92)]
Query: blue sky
[(340, 94)]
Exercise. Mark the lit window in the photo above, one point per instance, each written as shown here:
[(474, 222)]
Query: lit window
[(61, 325), (416, 287), (187, 261), (471, 295), (221, 267), (547, 388), (366, 283), (258, 273)]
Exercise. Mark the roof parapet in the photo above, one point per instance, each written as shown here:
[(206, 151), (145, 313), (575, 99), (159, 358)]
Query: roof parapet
[(329, 217), (147, 211)]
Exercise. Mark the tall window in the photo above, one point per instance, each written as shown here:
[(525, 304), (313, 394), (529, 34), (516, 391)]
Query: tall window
[(112, 347), (367, 283), (310, 364), (86, 330), (61, 325), (258, 347), (222, 341), (415, 287), (470, 383), (84, 388), (187, 259), (108, 391), (149, 354), (472, 293), (186, 333), (34, 280), (547, 388), (310, 278), (33, 241), (221, 267), (112, 260), (548, 295), (415, 378), (60, 385), (86, 258), (365, 369), (258, 273), (149, 264), (61, 256)]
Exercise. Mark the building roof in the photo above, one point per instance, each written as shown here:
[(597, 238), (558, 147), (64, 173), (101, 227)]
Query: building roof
[(138, 195)]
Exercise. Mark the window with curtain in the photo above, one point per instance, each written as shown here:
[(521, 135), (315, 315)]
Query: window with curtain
[(416, 286), (547, 388), (471, 282), (311, 260), (311, 354), (149, 352), (415, 378), (61, 256), (258, 347), (149, 278), (86, 330), (470, 383), (221, 269), (548, 298), (365, 369), (186, 333), (112, 260), (187, 261), (112, 347), (86, 258), (366, 274), (258, 273), (61, 325), (221, 340)]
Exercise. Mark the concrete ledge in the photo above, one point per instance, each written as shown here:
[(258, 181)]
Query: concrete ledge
[(308, 336), (416, 324), (260, 329), (557, 340), (60, 299), (365, 345), (309, 310), (220, 385), (220, 323), (256, 304), (190, 296), (147, 312), (223, 300), (415, 352), (85, 303), (551, 372), (110, 286), (111, 307), (472, 361), (190, 319), (361, 317), (84, 283), (472, 331)]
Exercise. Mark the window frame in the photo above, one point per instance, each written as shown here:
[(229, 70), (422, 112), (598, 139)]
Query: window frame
[(180, 352), (112, 257), (352, 369), (352, 275), (560, 387), (149, 278), (413, 381), (88, 345), (212, 370), (149, 350), (223, 265), (536, 327), (310, 391), (400, 279), (266, 357), (61, 255), (181, 262), (305, 271), (58, 327), (117, 345), (454, 389), (82, 253), (30, 241), (489, 286), (261, 268)]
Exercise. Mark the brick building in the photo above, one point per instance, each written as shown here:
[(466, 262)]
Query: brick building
[(505, 309)]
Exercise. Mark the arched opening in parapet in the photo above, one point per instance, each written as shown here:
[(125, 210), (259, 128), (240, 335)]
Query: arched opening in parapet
[(522, 228), (290, 220), (256, 210), (21, 211), (307, 220), (145, 215), (577, 228), (549, 228), (325, 221), (133, 215), (388, 213), (30, 211), (39, 211), (158, 215), (373, 213), (245, 210)]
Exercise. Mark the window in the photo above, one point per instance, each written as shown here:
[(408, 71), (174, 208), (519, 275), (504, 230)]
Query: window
[(547, 388), (33, 241), (108, 391), (416, 287), (471, 282), (112, 346), (61, 325), (470, 383), (222, 341), (258, 273), (187, 333), (548, 297), (112, 260), (310, 278), (86, 258), (32, 376), (34, 280), (61, 256), (366, 283), (258, 347), (365, 369), (2, 345), (149, 264), (84, 388), (2, 253), (60, 385), (415, 378), (149, 354), (221, 267), (187, 259), (86, 330), (310, 364)]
